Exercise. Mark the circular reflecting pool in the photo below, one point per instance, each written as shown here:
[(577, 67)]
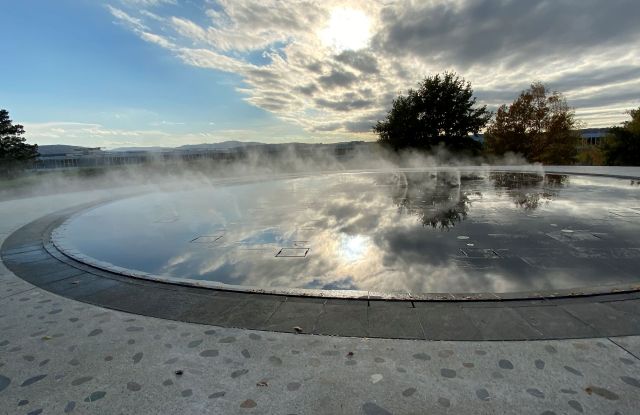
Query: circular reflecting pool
[(407, 231)]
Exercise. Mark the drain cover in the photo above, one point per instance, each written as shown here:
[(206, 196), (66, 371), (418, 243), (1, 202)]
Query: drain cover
[(167, 220), (292, 253), (625, 213), (479, 253), (205, 239)]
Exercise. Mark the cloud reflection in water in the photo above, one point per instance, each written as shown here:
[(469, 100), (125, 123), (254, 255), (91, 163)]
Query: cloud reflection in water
[(403, 231)]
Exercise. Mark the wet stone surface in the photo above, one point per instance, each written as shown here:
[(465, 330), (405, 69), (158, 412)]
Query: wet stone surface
[(512, 226)]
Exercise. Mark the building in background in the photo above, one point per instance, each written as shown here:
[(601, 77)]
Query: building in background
[(72, 157), (593, 136)]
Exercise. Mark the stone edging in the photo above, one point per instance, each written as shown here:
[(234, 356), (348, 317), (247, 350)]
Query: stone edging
[(29, 254)]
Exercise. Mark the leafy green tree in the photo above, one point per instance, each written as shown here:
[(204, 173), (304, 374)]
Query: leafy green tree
[(14, 151), (441, 110), (622, 144), (539, 124)]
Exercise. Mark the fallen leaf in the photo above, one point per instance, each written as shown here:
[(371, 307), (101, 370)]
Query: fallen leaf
[(47, 338), (588, 390)]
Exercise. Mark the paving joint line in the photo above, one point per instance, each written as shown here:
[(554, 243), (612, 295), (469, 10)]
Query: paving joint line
[(595, 329), (19, 292), (623, 348), (275, 311), (424, 332), (316, 321)]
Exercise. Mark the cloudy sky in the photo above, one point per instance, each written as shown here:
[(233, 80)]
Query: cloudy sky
[(172, 72)]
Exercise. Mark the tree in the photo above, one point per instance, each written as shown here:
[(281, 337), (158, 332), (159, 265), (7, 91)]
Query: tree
[(529, 191), (441, 110), (439, 201), (538, 124), (14, 151), (622, 144)]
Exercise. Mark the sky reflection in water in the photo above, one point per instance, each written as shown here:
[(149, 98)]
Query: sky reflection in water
[(405, 231)]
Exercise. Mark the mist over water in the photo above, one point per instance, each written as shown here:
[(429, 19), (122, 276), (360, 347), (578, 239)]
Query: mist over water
[(463, 229), (162, 174), (368, 219)]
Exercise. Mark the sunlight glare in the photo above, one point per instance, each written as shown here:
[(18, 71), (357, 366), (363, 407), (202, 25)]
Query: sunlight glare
[(348, 29), (353, 247)]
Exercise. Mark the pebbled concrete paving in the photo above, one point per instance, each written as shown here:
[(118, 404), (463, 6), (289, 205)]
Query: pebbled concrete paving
[(62, 356)]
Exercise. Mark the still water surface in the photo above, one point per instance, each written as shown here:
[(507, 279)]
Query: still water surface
[(404, 231)]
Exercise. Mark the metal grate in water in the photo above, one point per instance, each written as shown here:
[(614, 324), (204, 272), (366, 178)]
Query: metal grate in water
[(292, 253), (166, 220), (479, 253), (206, 239), (625, 213)]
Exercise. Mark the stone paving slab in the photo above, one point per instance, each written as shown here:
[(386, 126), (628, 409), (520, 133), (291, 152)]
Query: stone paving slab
[(80, 285), (293, 314), (627, 306), (502, 323), (252, 314), (608, 320), (442, 323), (204, 310), (337, 319), (396, 320), (553, 321)]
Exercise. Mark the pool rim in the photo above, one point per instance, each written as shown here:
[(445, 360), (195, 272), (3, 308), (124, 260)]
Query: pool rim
[(29, 255)]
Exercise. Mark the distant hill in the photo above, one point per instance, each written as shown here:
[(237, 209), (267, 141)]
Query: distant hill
[(147, 149), (222, 145), (204, 146), (61, 149), (46, 150)]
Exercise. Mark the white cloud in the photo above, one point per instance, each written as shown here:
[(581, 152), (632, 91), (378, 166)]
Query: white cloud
[(126, 19), (584, 49), (146, 3)]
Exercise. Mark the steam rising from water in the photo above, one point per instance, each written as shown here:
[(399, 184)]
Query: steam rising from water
[(160, 175), (411, 230)]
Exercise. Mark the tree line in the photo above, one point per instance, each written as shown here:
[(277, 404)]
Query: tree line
[(539, 125)]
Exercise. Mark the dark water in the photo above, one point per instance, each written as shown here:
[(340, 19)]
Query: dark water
[(404, 231)]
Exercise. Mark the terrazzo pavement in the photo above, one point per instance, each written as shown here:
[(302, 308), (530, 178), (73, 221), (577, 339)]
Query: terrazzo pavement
[(61, 356)]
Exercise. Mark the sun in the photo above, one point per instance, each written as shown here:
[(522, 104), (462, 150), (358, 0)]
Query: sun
[(348, 29)]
